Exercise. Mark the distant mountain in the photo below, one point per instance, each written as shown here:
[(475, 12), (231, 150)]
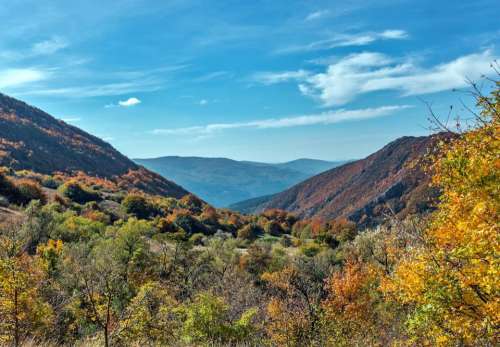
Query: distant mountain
[(389, 182), (32, 139), (222, 181)]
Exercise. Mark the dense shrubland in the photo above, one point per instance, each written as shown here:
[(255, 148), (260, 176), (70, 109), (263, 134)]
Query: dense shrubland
[(89, 262)]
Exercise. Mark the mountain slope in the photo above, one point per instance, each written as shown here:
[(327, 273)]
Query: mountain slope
[(222, 181), (32, 139), (390, 181), (310, 166)]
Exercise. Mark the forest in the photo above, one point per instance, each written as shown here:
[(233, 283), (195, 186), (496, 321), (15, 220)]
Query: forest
[(85, 261)]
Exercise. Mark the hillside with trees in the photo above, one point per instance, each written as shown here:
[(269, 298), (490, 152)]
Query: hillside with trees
[(391, 181), (34, 140)]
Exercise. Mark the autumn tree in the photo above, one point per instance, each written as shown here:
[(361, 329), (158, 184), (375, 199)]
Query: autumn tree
[(294, 308), (23, 312), (96, 284), (453, 279)]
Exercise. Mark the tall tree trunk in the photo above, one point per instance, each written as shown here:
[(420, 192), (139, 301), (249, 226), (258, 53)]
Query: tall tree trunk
[(106, 338), (106, 326), (16, 319)]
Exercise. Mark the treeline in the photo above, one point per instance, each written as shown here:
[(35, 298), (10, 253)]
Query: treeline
[(85, 262)]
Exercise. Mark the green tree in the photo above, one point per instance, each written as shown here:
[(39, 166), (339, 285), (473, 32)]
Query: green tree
[(206, 322), (151, 318), (139, 206)]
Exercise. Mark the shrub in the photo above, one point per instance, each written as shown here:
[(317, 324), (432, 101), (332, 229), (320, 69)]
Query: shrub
[(197, 239), (78, 193), (250, 232), (50, 182), (139, 206), (189, 224), (207, 322), (28, 190), (7, 188), (273, 228), (192, 202), (310, 249)]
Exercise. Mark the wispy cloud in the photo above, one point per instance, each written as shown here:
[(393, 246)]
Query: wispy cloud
[(329, 117), (203, 102), (213, 76), (317, 15), (279, 77), (48, 47), (367, 72), (13, 78), (42, 48), (108, 89), (345, 40), (59, 81)]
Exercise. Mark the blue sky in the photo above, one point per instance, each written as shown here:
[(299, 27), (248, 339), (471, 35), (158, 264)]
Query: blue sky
[(251, 80)]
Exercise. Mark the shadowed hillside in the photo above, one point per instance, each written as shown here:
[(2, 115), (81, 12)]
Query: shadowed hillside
[(32, 139)]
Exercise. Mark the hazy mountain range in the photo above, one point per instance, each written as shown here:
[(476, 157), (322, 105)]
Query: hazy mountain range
[(222, 181)]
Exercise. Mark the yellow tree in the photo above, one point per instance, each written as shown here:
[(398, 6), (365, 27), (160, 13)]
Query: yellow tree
[(23, 312), (453, 279)]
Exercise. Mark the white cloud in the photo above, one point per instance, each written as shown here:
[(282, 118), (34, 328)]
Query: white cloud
[(346, 40), (317, 15), (129, 102), (279, 77), (11, 78), (329, 117), (124, 103), (394, 34), (366, 72), (49, 46), (71, 119)]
